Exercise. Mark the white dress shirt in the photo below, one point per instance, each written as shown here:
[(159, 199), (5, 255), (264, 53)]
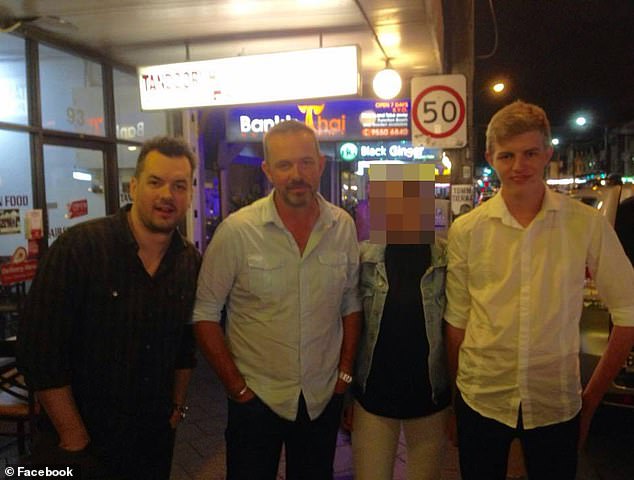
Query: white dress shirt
[(284, 309), (518, 293)]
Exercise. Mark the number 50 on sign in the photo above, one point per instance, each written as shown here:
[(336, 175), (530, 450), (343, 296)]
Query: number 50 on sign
[(439, 111)]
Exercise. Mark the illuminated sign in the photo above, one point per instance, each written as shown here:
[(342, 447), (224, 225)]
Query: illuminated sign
[(250, 79), (348, 151), (336, 119), (403, 151)]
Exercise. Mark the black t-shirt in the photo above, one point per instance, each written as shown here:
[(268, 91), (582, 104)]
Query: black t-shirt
[(624, 226), (398, 384)]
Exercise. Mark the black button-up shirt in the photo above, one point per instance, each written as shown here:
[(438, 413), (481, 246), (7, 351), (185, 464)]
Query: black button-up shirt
[(96, 320)]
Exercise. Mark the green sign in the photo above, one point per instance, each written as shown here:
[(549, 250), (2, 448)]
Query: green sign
[(348, 151)]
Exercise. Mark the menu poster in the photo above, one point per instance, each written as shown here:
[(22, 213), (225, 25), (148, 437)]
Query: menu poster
[(9, 221)]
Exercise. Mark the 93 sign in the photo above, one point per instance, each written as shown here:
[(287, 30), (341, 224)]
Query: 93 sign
[(439, 111)]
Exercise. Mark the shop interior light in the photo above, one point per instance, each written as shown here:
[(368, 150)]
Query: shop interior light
[(387, 83), (83, 176)]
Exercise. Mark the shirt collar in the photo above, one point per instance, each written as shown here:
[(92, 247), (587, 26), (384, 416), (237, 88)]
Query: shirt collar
[(177, 242), (496, 207)]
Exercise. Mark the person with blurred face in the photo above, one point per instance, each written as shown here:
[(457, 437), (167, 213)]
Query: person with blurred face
[(516, 271), (106, 339), (401, 381), (286, 268)]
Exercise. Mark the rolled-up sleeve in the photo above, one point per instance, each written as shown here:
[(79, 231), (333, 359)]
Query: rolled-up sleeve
[(613, 273), (457, 289), (351, 301)]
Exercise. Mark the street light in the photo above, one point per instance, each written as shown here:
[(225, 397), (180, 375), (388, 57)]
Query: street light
[(581, 120), (498, 87)]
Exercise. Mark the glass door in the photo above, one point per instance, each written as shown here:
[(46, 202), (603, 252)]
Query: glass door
[(74, 185)]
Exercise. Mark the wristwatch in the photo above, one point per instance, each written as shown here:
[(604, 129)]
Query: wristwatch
[(345, 377)]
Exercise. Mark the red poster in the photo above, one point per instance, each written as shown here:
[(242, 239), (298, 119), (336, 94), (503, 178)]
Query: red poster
[(78, 208), (17, 272)]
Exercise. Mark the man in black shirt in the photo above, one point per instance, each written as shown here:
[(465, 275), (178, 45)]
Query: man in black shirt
[(624, 226), (106, 339)]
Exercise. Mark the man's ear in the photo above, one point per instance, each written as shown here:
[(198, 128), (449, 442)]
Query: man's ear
[(489, 158), (322, 164), (133, 187), (266, 169), (549, 153)]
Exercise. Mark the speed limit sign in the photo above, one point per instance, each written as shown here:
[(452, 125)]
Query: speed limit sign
[(439, 113)]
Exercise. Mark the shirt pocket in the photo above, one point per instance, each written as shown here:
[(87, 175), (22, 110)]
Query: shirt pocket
[(332, 276), (266, 277)]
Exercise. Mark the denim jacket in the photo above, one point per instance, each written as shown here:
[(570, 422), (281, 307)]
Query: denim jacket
[(374, 288)]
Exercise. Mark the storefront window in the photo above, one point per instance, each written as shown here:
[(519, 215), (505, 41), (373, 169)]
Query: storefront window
[(127, 163), (15, 191), (132, 123), (74, 187), (13, 93), (72, 93)]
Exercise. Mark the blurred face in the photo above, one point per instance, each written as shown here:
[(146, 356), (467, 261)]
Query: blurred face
[(520, 161), (162, 193), (294, 167), (402, 204)]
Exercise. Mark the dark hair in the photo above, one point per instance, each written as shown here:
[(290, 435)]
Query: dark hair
[(288, 126), (168, 146)]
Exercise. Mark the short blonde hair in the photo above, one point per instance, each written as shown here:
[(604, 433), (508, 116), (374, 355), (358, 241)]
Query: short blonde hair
[(514, 119)]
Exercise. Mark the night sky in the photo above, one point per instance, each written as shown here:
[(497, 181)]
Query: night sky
[(567, 56)]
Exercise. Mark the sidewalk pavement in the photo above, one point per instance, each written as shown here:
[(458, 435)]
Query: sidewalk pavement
[(199, 453)]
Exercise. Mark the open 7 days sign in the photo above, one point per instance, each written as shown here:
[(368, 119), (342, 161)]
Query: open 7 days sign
[(439, 113)]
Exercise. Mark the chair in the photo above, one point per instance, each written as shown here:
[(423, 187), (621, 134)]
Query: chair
[(17, 400), (12, 298)]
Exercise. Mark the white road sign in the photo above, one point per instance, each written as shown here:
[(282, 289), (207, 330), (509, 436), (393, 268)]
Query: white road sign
[(439, 112)]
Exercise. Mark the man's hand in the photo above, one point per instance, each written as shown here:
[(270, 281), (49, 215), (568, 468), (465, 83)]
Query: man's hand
[(74, 440), (611, 362), (247, 396), (588, 408), (341, 387)]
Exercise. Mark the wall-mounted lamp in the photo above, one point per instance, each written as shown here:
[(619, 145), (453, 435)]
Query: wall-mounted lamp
[(387, 83)]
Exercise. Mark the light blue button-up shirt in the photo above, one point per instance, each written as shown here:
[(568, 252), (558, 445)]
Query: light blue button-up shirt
[(284, 308)]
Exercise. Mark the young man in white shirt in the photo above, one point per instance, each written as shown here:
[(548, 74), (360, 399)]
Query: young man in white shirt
[(515, 281)]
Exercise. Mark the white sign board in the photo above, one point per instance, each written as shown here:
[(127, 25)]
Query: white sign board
[(461, 199), (439, 113), (275, 77)]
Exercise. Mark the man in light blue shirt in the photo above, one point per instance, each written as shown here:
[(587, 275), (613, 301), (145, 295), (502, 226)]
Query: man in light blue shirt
[(286, 268)]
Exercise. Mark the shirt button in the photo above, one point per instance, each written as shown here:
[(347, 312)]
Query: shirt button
[(115, 293), (147, 347)]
